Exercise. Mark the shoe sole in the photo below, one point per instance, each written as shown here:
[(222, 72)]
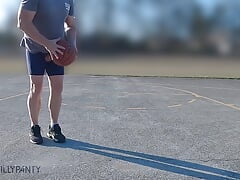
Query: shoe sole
[(33, 142), (51, 137)]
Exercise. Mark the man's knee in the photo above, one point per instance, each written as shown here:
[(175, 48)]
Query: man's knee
[(57, 88), (56, 84), (36, 83), (36, 89)]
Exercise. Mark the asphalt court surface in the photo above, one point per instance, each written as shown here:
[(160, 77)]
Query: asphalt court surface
[(126, 128)]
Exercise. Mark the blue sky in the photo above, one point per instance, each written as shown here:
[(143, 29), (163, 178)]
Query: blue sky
[(207, 4), (5, 8)]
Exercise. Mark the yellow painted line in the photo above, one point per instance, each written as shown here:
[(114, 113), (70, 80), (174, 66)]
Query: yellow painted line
[(11, 97), (136, 108), (203, 87), (176, 105), (231, 104), (204, 97), (192, 101), (222, 103)]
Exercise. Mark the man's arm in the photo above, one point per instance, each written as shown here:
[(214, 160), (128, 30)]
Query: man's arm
[(25, 18), (71, 31)]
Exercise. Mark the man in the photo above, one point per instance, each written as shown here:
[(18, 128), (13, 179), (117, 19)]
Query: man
[(44, 22)]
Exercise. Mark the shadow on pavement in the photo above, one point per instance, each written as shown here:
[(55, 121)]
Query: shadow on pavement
[(153, 161)]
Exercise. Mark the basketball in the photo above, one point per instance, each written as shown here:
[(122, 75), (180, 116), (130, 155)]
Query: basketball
[(68, 56)]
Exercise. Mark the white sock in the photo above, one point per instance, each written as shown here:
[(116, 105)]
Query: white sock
[(52, 124), (32, 124)]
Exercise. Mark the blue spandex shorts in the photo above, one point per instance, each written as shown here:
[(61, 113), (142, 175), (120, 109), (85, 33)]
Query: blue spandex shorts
[(37, 65)]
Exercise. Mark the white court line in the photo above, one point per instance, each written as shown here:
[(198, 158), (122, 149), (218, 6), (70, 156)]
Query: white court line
[(137, 108), (11, 97), (180, 94), (17, 95), (191, 101)]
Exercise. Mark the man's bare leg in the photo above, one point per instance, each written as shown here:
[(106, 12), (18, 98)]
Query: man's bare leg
[(34, 98), (55, 97), (34, 106), (54, 105)]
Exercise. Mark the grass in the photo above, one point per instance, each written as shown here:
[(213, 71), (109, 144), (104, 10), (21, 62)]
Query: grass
[(164, 66)]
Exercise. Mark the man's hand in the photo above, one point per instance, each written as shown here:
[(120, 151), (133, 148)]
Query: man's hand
[(53, 48)]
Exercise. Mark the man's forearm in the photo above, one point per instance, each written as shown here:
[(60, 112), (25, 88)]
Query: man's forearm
[(71, 34), (30, 30)]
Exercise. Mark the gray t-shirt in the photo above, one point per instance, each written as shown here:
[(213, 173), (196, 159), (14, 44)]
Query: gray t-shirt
[(49, 20)]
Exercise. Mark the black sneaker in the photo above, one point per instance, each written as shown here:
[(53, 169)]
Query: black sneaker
[(56, 134), (35, 135)]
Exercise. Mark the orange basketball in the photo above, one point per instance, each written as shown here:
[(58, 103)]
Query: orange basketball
[(68, 56)]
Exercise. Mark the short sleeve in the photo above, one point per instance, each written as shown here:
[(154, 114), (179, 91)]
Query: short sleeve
[(30, 5), (71, 11)]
